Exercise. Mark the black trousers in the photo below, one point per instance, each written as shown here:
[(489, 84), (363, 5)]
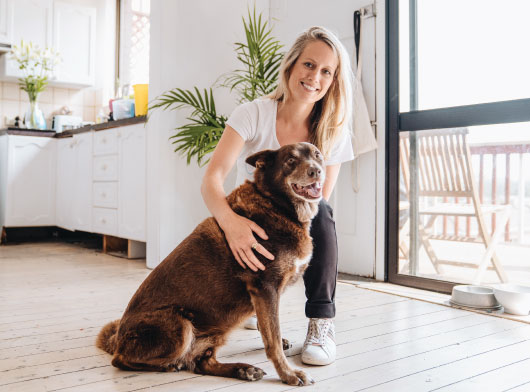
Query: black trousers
[(320, 278)]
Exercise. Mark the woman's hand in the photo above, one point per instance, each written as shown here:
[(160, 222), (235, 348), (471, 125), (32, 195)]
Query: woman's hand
[(239, 232)]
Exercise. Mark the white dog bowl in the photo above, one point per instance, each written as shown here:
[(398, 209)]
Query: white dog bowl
[(478, 297), (515, 298)]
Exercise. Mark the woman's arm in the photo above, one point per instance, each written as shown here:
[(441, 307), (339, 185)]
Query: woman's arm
[(238, 230), (332, 172)]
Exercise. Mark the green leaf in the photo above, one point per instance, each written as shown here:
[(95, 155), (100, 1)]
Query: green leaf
[(260, 57)]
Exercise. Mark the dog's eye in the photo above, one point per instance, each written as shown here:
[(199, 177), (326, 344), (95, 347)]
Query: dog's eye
[(318, 155), (291, 160)]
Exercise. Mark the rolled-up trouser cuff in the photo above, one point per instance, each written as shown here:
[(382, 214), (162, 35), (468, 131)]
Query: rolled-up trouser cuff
[(320, 310)]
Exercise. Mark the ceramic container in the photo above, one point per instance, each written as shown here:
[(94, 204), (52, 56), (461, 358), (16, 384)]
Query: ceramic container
[(479, 297), (515, 298)]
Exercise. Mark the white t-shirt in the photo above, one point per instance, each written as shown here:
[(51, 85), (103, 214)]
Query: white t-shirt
[(255, 122)]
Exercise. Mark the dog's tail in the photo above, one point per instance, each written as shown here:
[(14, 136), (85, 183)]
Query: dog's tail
[(106, 339)]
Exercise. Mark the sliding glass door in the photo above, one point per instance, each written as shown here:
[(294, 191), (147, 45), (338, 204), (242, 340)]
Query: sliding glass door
[(458, 142)]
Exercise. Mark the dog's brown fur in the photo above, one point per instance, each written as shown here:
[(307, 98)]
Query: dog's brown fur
[(184, 310)]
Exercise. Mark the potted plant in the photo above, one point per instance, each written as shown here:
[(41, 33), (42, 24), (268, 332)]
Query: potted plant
[(37, 65), (260, 57)]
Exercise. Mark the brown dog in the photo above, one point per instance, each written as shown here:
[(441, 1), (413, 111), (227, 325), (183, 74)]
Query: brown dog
[(184, 310)]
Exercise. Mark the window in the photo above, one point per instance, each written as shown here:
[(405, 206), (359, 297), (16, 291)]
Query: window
[(134, 42)]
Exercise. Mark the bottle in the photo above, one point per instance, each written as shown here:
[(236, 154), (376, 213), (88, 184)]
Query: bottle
[(101, 117)]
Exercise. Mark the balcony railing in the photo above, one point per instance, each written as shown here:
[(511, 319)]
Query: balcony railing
[(501, 177)]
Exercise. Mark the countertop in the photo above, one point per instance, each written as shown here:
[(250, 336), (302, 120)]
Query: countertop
[(72, 132)]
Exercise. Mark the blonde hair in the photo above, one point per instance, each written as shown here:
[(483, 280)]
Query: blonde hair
[(334, 111)]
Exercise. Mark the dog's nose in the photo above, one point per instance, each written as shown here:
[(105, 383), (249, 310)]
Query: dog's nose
[(313, 172)]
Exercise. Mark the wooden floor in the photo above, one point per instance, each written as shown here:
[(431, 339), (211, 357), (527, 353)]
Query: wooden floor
[(55, 297)]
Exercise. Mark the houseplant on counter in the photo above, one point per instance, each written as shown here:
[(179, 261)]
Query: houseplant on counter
[(37, 65), (260, 57)]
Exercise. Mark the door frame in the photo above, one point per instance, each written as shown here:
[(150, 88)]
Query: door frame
[(416, 120)]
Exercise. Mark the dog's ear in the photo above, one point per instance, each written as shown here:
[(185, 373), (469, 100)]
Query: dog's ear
[(261, 158)]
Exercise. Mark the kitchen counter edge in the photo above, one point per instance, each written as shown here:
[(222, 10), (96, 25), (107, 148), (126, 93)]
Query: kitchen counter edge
[(72, 132)]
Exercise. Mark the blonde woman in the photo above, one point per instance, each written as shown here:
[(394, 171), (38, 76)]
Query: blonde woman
[(312, 103)]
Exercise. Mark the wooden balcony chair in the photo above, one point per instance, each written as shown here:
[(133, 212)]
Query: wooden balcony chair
[(445, 172)]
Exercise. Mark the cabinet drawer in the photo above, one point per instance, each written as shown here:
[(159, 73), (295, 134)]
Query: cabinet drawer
[(105, 221), (106, 168), (106, 142), (105, 194)]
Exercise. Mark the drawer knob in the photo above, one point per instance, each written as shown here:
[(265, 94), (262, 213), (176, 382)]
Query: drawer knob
[(103, 220), (104, 140), (104, 167), (103, 194)]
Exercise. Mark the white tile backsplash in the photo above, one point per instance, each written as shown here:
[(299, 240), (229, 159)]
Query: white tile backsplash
[(82, 103), (76, 97), (60, 96), (89, 114), (11, 91), (24, 98), (46, 96), (89, 97), (11, 109), (99, 98), (77, 110), (47, 109)]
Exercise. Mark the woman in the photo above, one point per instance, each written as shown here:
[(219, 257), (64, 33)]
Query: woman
[(312, 103)]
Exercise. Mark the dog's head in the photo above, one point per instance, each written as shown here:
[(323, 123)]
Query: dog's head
[(296, 171)]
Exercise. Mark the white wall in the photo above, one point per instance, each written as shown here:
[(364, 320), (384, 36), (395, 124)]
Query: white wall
[(184, 54)]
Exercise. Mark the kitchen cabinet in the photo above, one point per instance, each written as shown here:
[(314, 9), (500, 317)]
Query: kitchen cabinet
[(74, 172), (66, 174), (6, 24), (28, 181), (74, 37), (82, 204), (105, 185), (32, 21), (94, 181), (119, 189), (69, 28), (132, 184)]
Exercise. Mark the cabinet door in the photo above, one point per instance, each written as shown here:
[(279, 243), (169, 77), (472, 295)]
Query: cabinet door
[(132, 181), (32, 21), (74, 34), (65, 183), (31, 176), (82, 210), (6, 23)]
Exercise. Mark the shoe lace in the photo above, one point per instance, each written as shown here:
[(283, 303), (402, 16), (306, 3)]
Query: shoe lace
[(318, 330)]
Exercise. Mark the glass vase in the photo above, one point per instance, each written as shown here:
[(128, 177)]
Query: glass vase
[(34, 118)]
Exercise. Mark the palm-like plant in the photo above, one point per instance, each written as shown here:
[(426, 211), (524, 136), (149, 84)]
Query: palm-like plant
[(261, 60), (200, 136)]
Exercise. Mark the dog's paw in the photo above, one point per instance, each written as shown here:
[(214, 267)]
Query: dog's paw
[(298, 378), (250, 373), (286, 344)]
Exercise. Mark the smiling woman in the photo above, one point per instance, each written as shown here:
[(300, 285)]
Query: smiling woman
[(312, 103)]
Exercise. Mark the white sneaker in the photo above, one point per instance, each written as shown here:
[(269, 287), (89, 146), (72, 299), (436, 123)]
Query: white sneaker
[(319, 346), (251, 323)]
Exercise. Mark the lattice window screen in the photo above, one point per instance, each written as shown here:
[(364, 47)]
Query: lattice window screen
[(134, 51)]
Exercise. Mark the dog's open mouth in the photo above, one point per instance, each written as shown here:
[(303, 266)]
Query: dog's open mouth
[(311, 191)]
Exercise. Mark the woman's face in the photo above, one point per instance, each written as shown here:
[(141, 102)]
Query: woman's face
[(313, 72)]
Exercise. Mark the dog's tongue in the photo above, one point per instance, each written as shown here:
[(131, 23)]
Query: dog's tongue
[(313, 190)]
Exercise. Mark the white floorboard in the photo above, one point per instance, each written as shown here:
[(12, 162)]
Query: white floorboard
[(55, 297)]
